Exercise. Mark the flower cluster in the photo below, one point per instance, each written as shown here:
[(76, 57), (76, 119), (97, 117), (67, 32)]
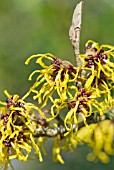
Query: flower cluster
[(17, 130), (65, 86), (69, 99), (82, 90)]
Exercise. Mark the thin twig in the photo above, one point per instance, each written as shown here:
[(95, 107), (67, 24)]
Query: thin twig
[(51, 132), (61, 130), (74, 31)]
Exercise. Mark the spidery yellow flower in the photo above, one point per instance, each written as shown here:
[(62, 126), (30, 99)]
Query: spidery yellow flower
[(53, 78), (99, 68), (17, 129)]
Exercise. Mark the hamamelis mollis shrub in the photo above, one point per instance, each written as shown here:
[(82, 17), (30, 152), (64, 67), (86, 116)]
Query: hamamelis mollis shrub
[(74, 106)]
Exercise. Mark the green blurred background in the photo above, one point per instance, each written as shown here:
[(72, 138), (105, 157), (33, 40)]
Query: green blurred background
[(37, 26)]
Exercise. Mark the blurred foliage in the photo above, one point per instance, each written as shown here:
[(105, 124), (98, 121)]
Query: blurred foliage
[(38, 26)]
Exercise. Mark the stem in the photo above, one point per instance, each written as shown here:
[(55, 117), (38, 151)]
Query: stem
[(52, 132), (74, 31)]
